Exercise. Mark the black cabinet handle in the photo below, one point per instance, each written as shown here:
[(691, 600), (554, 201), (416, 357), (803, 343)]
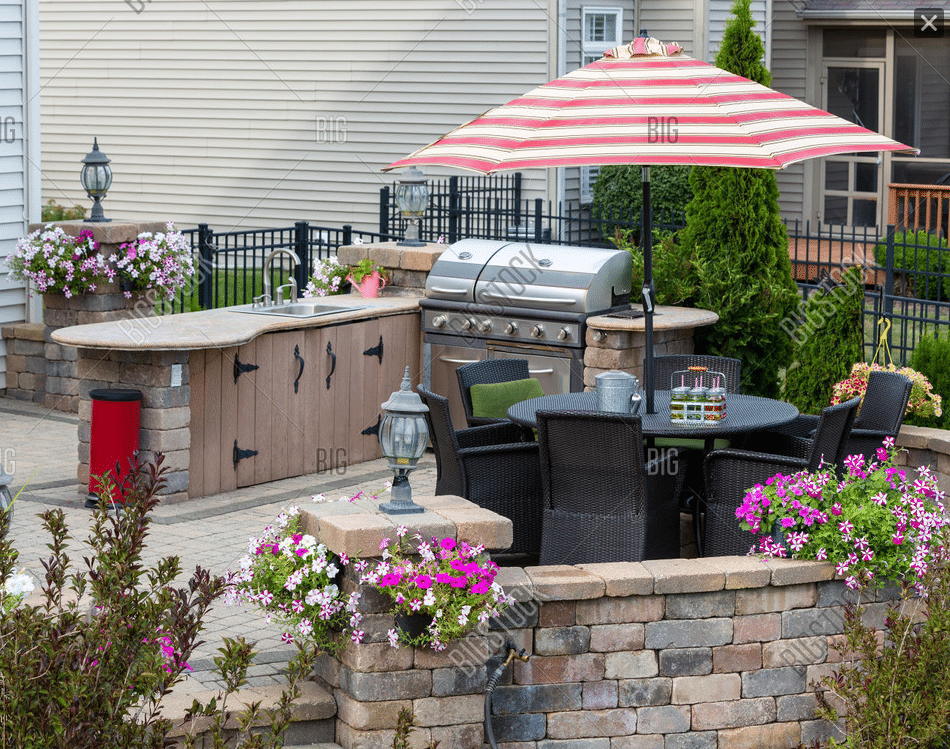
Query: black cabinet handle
[(302, 362), (332, 363)]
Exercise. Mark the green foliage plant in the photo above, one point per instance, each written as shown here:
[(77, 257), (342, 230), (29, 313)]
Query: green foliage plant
[(405, 722), (673, 274), (90, 665), (925, 253), (739, 244), (53, 211), (892, 689), (828, 336), (216, 725), (618, 193), (367, 267), (932, 359)]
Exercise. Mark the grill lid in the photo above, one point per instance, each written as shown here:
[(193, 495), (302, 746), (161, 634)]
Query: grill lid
[(531, 275)]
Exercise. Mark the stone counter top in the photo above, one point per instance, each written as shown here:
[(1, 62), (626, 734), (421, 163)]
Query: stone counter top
[(220, 328), (663, 319)]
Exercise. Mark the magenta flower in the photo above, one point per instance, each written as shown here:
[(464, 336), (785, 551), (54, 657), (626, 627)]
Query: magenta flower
[(423, 582), (447, 543)]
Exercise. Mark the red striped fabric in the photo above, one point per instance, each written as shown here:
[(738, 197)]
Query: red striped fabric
[(634, 107)]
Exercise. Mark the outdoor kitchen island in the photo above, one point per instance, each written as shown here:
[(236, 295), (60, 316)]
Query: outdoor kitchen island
[(235, 399)]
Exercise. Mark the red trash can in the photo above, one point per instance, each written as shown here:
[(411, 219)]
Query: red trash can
[(113, 439)]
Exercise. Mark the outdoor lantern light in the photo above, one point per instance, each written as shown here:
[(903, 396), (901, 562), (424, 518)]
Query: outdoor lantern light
[(403, 437), (412, 199), (96, 179)]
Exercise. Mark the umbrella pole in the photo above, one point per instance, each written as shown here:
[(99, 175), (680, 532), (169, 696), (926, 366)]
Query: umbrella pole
[(646, 238)]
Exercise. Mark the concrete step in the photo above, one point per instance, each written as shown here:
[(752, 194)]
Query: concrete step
[(313, 716)]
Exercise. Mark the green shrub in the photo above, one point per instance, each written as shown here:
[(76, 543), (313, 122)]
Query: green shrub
[(618, 193), (919, 251), (673, 274), (932, 359), (89, 665), (53, 211), (893, 691), (828, 341)]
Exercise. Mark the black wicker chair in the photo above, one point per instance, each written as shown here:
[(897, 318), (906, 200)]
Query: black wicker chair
[(665, 366), (881, 415), (730, 473), (491, 466), (601, 503), (488, 372)]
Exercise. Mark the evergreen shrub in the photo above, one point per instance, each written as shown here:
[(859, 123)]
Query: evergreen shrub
[(828, 341), (932, 359), (618, 194), (924, 253)]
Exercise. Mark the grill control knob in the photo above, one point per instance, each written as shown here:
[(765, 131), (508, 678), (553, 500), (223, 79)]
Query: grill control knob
[(511, 328), (484, 326), (467, 324), (563, 334), (439, 321), (538, 331)]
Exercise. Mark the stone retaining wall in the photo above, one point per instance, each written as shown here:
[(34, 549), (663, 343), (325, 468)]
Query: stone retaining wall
[(670, 654)]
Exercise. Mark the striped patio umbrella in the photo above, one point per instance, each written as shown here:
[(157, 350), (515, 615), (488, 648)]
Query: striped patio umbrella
[(647, 103)]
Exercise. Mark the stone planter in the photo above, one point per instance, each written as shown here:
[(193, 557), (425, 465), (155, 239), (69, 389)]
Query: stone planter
[(106, 304)]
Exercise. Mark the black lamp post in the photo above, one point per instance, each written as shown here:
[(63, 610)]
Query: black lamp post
[(412, 199), (96, 178), (403, 436)]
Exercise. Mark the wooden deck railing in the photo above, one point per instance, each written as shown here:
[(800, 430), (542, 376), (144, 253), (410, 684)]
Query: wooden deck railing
[(916, 207)]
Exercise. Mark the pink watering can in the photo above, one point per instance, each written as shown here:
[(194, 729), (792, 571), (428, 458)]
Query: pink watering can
[(370, 285)]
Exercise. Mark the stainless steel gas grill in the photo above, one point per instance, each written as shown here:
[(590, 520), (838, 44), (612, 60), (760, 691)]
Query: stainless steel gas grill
[(489, 299)]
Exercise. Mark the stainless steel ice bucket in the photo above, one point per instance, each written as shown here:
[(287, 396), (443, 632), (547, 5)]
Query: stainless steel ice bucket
[(617, 392)]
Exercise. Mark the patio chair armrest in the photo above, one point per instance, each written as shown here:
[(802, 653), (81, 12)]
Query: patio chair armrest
[(491, 434), (733, 471), (510, 448)]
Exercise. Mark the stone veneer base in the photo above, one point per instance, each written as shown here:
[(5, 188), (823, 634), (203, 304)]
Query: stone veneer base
[(719, 652)]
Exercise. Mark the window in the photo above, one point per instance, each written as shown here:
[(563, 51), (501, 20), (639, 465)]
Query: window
[(602, 29)]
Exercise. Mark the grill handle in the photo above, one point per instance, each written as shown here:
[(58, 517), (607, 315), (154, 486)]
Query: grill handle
[(443, 290), (537, 299), (458, 361), (540, 371)]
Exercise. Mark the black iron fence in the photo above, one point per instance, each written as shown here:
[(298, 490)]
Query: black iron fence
[(231, 263)]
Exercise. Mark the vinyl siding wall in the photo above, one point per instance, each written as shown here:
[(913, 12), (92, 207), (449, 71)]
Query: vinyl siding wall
[(18, 157), (251, 113), (790, 55)]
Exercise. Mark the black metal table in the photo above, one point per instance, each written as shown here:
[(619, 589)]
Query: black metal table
[(744, 414)]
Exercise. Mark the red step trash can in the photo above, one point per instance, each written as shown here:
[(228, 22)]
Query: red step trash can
[(113, 439)]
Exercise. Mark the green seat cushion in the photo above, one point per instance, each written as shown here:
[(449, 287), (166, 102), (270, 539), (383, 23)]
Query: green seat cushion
[(493, 401), (690, 444)]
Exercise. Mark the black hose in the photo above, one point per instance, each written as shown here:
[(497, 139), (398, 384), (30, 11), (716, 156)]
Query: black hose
[(493, 682)]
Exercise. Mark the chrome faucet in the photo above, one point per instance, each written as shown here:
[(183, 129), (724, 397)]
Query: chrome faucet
[(267, 298)]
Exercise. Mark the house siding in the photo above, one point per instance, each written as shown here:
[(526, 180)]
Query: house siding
[(250, 114), (790, 56), (18, 157)]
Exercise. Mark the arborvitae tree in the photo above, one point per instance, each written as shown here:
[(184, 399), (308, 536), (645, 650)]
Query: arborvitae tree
[(828, 341), (739, 243)]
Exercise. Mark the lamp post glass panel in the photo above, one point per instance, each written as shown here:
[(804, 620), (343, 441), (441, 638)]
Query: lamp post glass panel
[(96, 179), (403, 437), (412, 199)]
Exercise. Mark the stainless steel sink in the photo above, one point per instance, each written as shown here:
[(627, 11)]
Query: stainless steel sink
[(297, 309)]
